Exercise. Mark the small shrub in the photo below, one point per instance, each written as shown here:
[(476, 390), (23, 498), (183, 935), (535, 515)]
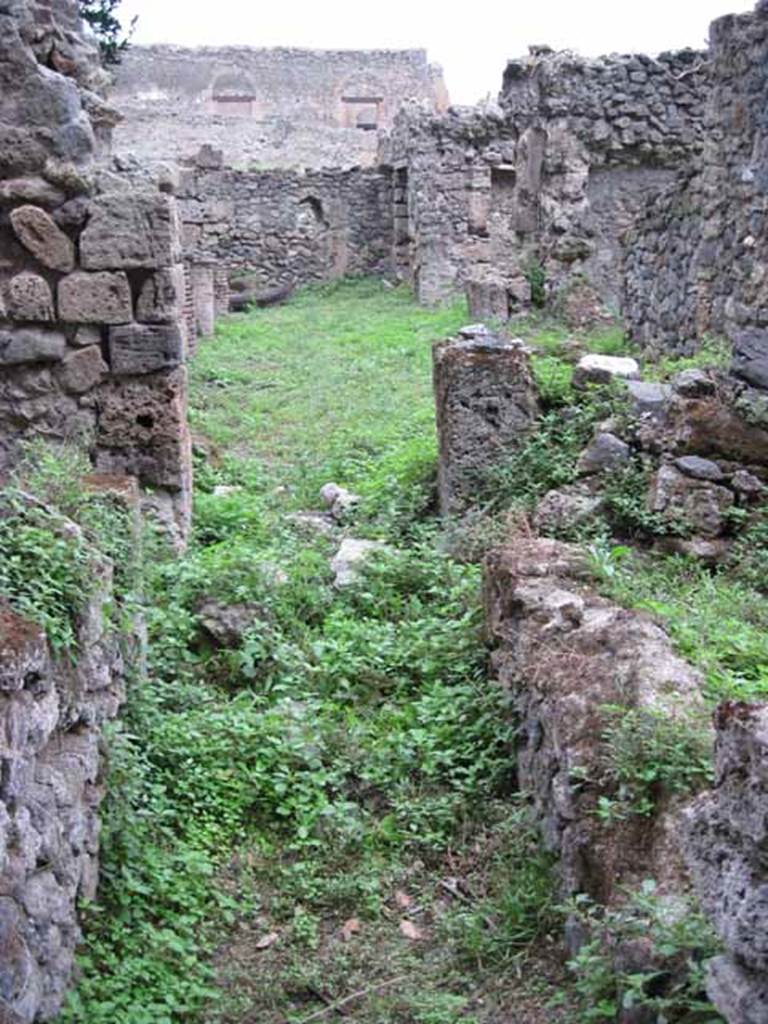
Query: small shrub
[(649, 753)]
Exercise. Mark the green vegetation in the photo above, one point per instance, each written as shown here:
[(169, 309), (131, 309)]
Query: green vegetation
[(318, 813), (345, 754), (679, 932), (48, 566), (649, 753)]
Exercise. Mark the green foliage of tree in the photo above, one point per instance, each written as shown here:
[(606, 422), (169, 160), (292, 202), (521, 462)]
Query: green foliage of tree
[(113, 39)]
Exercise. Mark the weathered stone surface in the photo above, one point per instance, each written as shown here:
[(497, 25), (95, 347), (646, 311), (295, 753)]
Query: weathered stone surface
[(28, 297), (143, 348), (95, 298), (39, 233), (598, 369), (130, 230), (560, 512), (227, 624), (699, 503), (566, 655), (80, 371), (724, 840), (700, 469), (31, 345), (486, 404), (51, 711), (339, 501), (649, 399), (605, 452), (34, 190), (352, 555), (86, 335), (693, 383), (161, 298), (142, 429)]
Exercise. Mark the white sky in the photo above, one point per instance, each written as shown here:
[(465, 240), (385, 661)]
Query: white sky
[(471, 40)]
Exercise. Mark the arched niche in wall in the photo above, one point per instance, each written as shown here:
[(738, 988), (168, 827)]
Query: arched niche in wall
[(233, 95)]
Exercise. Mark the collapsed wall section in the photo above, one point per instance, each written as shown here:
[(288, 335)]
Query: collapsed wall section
[(539, 191), (287, 228)]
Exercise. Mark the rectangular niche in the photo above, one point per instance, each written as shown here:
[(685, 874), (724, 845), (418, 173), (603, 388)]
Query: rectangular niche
[(362, 112)]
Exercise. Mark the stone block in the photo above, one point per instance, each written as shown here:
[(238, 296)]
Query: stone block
[(161, 298), (33, 190), (28, 297), (599, 369), (100, 297), (82, 370), (142, 348), (486, 405), (31, 345), (39, 234), (131, 230)]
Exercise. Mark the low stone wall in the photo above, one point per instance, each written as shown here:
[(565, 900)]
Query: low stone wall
[(52, 710), (287, 228)]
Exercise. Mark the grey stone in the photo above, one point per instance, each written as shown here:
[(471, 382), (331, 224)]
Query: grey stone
[(750, 355), (560, 512), (95, 298), (693, 383), (700, 469), (350, 558), (228, 624), (143, 348), (34, 190), (747, 483), (28, 297), (161, 297), (599, 369), (486, 405), (31, 345), (86, 335), (648, 398), (739, 994), (130, 230), (82, 370), (39, 233), (339, 501), (701, 504), (605, 452)]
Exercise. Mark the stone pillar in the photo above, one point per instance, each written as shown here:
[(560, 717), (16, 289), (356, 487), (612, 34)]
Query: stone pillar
[(485, 405), (204, 299), (220, 291)]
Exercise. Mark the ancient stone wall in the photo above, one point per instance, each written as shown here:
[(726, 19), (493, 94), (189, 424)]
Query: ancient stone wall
[(267, 107), (52, 708), (544, 185), (91, 345), (288, 228), (697, 262)]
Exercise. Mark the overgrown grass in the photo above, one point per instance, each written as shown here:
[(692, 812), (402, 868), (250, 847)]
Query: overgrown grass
[(348, 744)]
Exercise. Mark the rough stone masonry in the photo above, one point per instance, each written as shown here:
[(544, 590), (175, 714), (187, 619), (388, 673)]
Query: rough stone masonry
[(91, 340)]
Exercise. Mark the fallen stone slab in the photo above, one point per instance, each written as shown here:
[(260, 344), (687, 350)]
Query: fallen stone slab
[(598, 369)]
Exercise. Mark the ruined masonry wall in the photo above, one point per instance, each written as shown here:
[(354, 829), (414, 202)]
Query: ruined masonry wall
[(698, 262), (552, 177), (285, 227), (91, 344), (91, 348), (51, 714), (267, 107)]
